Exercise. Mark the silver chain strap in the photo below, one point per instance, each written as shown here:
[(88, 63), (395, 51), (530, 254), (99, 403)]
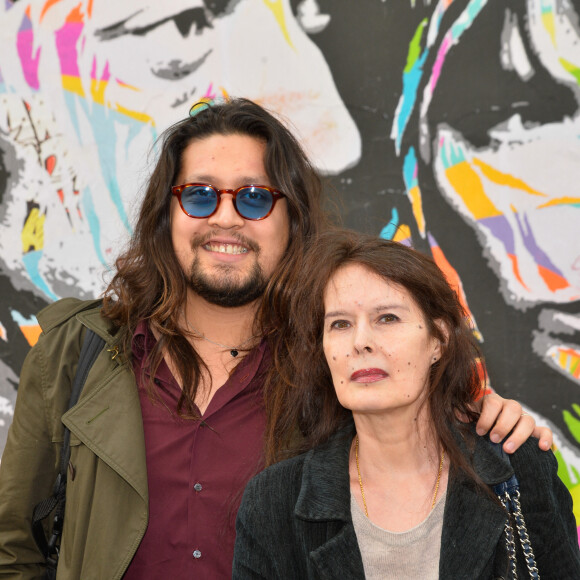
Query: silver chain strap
[(512, 505), (509, 536)]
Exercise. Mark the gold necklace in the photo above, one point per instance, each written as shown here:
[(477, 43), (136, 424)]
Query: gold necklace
[(362, 489)]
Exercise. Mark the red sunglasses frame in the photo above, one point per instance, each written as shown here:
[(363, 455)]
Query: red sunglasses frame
[(178, 189)]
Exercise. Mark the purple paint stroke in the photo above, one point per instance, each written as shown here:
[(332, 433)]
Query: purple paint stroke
[(29, 61), (501, 230), (540, 257)]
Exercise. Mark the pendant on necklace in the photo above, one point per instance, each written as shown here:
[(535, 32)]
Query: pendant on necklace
[(234, 352)]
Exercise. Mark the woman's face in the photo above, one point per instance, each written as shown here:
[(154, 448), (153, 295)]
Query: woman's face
[(376, 342)]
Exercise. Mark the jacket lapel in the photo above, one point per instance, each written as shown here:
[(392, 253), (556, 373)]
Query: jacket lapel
[(107, 418), (325, 498), (472, 528), (473, 523), (339, 557)]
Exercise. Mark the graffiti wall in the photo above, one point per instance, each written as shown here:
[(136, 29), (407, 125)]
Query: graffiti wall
[(453, 126)]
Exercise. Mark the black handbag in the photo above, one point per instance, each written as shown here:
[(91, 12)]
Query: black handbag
[(92, 345)]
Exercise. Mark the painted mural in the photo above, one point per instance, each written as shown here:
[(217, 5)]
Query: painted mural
[(451, 125)]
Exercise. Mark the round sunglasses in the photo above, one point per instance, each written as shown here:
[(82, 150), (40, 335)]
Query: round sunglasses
[(252, 202)]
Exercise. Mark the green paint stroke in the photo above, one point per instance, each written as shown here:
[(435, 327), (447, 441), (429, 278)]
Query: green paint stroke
[(564, 471), (415, 46), (571, 68), (572, 422)]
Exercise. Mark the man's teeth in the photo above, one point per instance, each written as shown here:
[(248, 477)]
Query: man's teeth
[(226, 248)]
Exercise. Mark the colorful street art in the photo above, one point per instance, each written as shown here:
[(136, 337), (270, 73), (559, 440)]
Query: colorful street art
[(451, 125)]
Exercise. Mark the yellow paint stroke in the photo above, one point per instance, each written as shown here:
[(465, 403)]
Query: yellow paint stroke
[(467, 184), (143, 117), (573, 69), (403, 233), (73, 84), (455, 283), (575, 493), (561, 201), (549, 25), (417, 205), (33, 232), (31, 333), (98, 90), (501, 178), (127, 86), (277, 8), (568, 359)]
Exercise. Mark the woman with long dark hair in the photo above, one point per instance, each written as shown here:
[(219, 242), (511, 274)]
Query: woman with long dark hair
[(381, 365)]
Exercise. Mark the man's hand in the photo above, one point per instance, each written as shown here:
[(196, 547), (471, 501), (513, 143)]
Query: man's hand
[(502, 415)]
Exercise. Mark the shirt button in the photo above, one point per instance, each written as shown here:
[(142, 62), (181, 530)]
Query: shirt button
[(196, 554), (198, 487)]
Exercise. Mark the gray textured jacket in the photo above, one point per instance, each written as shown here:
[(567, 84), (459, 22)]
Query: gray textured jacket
[(295, 520)]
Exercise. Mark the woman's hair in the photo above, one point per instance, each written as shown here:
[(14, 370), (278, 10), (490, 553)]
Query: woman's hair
[(300, 391), (149, 283)]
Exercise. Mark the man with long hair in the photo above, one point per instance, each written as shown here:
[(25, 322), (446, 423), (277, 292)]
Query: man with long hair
[(169, 426)]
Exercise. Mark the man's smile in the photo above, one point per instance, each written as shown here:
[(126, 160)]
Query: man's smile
[(225, 248)]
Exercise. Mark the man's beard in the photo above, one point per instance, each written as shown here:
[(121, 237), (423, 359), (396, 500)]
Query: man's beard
[(226, 290)]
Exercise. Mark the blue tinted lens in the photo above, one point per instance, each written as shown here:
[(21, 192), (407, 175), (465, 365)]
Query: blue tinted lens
[(199, 200), (254, 202)]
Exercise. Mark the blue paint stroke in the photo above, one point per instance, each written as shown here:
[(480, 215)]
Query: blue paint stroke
[(31, 261), (389, 231), (94, 223)]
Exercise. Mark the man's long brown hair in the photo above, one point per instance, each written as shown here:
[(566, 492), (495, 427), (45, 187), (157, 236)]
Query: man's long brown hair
[(300, 393), (149, 283)]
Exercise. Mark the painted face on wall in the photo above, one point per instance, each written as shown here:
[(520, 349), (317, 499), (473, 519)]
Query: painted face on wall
[(200, 49), (88, 142), (516, 189), (519, 192), (376, 343), (506, 161)]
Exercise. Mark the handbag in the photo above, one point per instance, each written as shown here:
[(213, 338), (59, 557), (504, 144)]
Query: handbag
[(508, 493), (50, 548)]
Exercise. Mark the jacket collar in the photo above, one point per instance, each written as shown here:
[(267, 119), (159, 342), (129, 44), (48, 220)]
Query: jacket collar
[(326, 467), (473, 522), (325, 491)]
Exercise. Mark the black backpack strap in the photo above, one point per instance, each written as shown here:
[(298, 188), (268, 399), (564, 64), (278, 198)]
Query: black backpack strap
[(92, 346)]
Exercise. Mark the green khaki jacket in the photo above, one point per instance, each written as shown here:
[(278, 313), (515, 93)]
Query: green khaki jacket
[(107, 501)]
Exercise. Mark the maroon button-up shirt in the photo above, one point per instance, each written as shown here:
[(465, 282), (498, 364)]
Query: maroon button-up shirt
[(196, 469)]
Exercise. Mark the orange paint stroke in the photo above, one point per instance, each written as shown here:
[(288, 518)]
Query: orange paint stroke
[(76, 14), (553, 281), (516, 270), (47, 6), (455, 283), (505, 178), (50, 163), (31, 333)]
